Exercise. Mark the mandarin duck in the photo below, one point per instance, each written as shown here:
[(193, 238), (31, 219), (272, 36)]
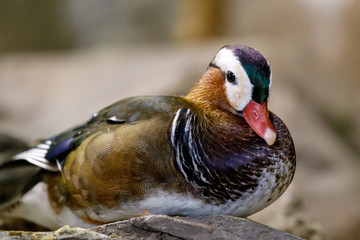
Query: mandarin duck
[(217, 150)]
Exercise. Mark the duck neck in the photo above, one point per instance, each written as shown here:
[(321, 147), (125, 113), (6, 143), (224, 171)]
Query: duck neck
[(209, 94)]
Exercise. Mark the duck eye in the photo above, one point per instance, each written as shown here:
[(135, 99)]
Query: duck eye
[(230, 76)]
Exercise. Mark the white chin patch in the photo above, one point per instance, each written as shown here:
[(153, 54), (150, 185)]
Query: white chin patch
[(238, 93)]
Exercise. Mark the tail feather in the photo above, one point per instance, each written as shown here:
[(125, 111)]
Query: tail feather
[(16, 177), (10, 146)]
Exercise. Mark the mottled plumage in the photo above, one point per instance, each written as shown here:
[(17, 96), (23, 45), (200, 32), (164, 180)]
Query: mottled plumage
[(215, 151)]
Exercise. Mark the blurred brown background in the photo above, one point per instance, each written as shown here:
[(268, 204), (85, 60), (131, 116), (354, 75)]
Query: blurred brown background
[(62, 60)]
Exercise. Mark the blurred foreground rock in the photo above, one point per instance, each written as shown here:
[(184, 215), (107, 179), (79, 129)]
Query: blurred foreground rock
[(164, 227)]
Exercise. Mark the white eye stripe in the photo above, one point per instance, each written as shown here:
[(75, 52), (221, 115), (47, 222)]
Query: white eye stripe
[(239, 92), (226, 61)]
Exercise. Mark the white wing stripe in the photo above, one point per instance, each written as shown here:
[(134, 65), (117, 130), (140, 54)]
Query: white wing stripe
[(173, 127), (43, 146), (37, 155)]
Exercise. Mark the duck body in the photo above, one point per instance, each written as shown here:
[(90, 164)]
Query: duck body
[(158, 154)]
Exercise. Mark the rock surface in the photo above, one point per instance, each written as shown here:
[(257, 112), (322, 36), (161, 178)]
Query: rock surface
[(164, 227)]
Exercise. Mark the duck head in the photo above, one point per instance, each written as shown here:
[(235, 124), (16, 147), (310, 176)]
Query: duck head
[(238, 80)]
